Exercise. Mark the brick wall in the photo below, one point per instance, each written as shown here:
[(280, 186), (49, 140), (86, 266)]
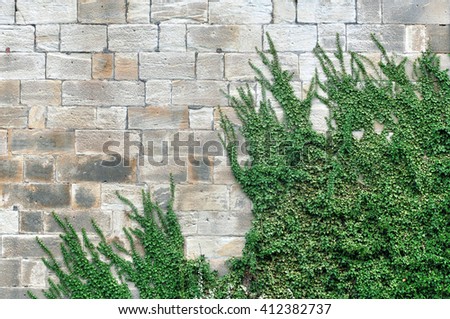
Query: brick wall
[(75, 74)]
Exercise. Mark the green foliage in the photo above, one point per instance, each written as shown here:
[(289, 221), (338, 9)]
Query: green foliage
[(338, 216), (153, 261)]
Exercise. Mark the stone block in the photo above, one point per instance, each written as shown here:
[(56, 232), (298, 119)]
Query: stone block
[(210, 66), (154, 118), (102, 66), (132, 37), (101, 11), (25, 246), (3, 142), (86, 196), (179, 11), (221, 38), (39, 169), (204, 93), (37, 117), (298, 38), (318, 117), (368, 11), (79, 219), (158, 92), (7, 11), (103, 93), (46, 93), (13, 117), (188, 222), (167, 65), (416, 11), (16, 38), (35, 196), (34, 273), (70, 118), (31, 222), (391, 36), (327, 35), (224, 223), (321, 11), (201, 118), (42, 142), (439, 37), (46, 11), (214, 246), (200, 197), (159, 143), (47, 37), (240, 12), (239, 201), (200, 170), (222, 171), (284, 11), (22, 66), (94, 142), (9, 221), (111, 118), (83, 38), (84, 168), (11, 170), (157, 169), (17, 293), (110, 201), (9, 92), (138, 11), (416, 39), (126, 66), (172, 37), (10, 273), (75, 66)]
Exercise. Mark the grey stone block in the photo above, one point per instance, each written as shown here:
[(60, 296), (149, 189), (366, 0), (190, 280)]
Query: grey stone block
[(13, 117), (42, 142), (35, 196), (22, 66), (26, 246), (101, 11), (10, 273), (391, 36), (46, 11), (11, 170), (17, 38), (369, 11), (179, 11), (9, 92), (439, 37), (39, 169), (416, 11), (31, 222)]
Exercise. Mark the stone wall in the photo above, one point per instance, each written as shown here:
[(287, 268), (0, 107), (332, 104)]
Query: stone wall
[(76, 74)]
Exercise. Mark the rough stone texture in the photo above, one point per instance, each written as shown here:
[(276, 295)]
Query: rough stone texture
[(291, 37), (34, 196), (126, 66), (31, 222), (240, 12), (201, 197), (158, 92), (101, 11), (11, 170), (33, 273), (201, 118), (179, 11), (369, 11), (327, 35), (22, 66), (9, 92), (13, 117), (111, 118), (42, 142), (312, 11), (16, 38), (284, 11), (39, 169), (82, 218), (210, 66), (46, 93), (392, 37), (138, 11), (3, 142), (47, 37), (102, 93), (102, 66), (200, 170), (154, 118), (26, 246), (416, 38), (79, 37), (172, 38), (439, 36), (224, 223), (64, 118), (10, 274), (416, 11), (132, 38), (157, 169), (10, 221), (223, 247), (75, 66), (46, 11), (7, 11), (86, 196), (37, 117), (165, 65), (92, 142), (209, 93)]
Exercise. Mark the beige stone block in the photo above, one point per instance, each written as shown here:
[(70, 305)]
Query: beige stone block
[(34, 273), (46, 11), (158, 92), (200, 170), (3, 142), (226, 38), (416, 11), (13, 117), (240, 12), (390, 35), (132, 37), (172, 38), (34, 197), (42, 142), (91, 142), (9, 92), (224, 223), (47, 37), (239, 200), (45, 93), (201, 118), (214, 246), (16, 38), (155, 170), (298, 38), (138, 11), (210, 66), (222, 170), (22, 66), (83, 37), (205, 93), (114, 118), (75, 66), (37, 117), (154, 118), (7, 12), (126, 66), (167, 65), (313, 11), (416, 38), (284, 11), (188, 222), (102, 66), (81, 219), (67, 118), (101, 11), (201, 197), (179, 11), (110, 200)]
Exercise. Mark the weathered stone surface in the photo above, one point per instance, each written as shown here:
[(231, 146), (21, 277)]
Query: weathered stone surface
[(37, 117), (33, 273), (16, 38), (201, 170), (101, 11), (86, 196), (46, 11), (239, 201), (10, 273), (103, 93), (25, 246), (179, 11), (392, 37), (110, 201), (157, 169), (138, 11), (313, 11), (22, 66), (222, 171), (201, 197), (9, 92), (83, 168), (224, 223), (65, 118), (7, 11), (188, 222), (132, 37), (79, 37), (201, 118), (214, 246), (327, 35), (102, 66), (9, 220), (92, 142), (240, 12), (3, 142), (167, 65), (206, 93), (47, 37), (416, 11), (416, 39), (17, 293), (47, 93), (126, 66), (31, 222), (284, 11), (42, 142), (158, 92), (210, 66), (13, 117), (80, 219), (11, 170), (39, 169), (35, 196), (75, 66), (155, 118), (223, 38), (111, 118), (291, 37), (439, 36), (172, 37), (368, 11)]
